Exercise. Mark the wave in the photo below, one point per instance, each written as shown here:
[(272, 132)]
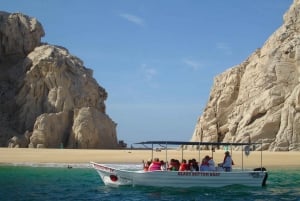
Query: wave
[(74, 165)]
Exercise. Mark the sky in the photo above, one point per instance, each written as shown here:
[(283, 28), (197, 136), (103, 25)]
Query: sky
[(156, 59)]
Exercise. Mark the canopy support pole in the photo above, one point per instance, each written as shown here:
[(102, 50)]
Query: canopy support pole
[(181, 152), (166, 153), (152, 153), (199, 155), (261, 155), (242, 158)]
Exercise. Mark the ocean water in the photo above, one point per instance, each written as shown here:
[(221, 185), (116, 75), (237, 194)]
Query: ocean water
[(81, 182)]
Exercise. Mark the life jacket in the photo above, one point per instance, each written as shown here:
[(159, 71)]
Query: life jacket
[(154, 166), (183, 167)]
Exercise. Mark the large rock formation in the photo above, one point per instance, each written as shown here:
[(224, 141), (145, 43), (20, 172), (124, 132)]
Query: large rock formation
[(47, 97), (260, 98)]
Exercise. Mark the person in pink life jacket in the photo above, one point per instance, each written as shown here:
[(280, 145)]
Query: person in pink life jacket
[(155, 165)]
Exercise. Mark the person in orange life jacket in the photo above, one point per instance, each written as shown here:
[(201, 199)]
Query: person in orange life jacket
[(184, 166), (155, 165), (227, 162)]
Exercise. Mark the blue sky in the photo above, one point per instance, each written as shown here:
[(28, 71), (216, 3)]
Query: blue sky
[(156, 59)]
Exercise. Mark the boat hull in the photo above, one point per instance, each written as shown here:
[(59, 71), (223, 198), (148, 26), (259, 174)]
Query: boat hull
[(182, 179)]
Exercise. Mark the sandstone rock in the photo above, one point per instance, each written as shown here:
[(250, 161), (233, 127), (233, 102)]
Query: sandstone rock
[(44, 90), (20, 141), (92, 129), (19, 35), (51, 130), (259, 98), (56, 81)]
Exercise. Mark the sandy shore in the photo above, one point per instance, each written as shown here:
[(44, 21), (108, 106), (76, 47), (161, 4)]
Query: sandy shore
[(271, 160)]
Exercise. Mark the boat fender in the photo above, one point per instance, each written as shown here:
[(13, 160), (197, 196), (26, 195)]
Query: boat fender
[(247, 150), (113, 178)]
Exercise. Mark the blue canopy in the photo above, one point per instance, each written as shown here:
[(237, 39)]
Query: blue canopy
[(196, 143)]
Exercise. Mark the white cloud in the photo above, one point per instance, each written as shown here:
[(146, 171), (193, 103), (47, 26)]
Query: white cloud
[(225, 48), (133, 19), (148, 73), (195, 65)]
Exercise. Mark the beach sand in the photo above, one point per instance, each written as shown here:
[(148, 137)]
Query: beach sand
[(270, 160)]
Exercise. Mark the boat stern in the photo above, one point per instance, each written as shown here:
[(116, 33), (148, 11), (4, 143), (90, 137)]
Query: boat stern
[(265, 177)]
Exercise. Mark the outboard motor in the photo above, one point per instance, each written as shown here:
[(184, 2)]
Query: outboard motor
[(266, 175)]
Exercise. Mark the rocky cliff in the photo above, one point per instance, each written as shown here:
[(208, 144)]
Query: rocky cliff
[(48, 98), (259, 99)]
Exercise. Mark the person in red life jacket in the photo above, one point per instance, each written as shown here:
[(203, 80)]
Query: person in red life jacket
[(227, 162), (155, 165), (184, 166)]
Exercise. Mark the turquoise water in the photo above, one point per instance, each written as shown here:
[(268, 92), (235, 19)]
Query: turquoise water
[(83, 183)]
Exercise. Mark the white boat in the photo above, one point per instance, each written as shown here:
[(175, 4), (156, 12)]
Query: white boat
[(183, 179)]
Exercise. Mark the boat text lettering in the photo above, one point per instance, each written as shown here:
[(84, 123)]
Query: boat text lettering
[(207, 174)]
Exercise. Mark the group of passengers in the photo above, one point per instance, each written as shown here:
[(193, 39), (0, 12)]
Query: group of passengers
[(207, 164), (173, 165)]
